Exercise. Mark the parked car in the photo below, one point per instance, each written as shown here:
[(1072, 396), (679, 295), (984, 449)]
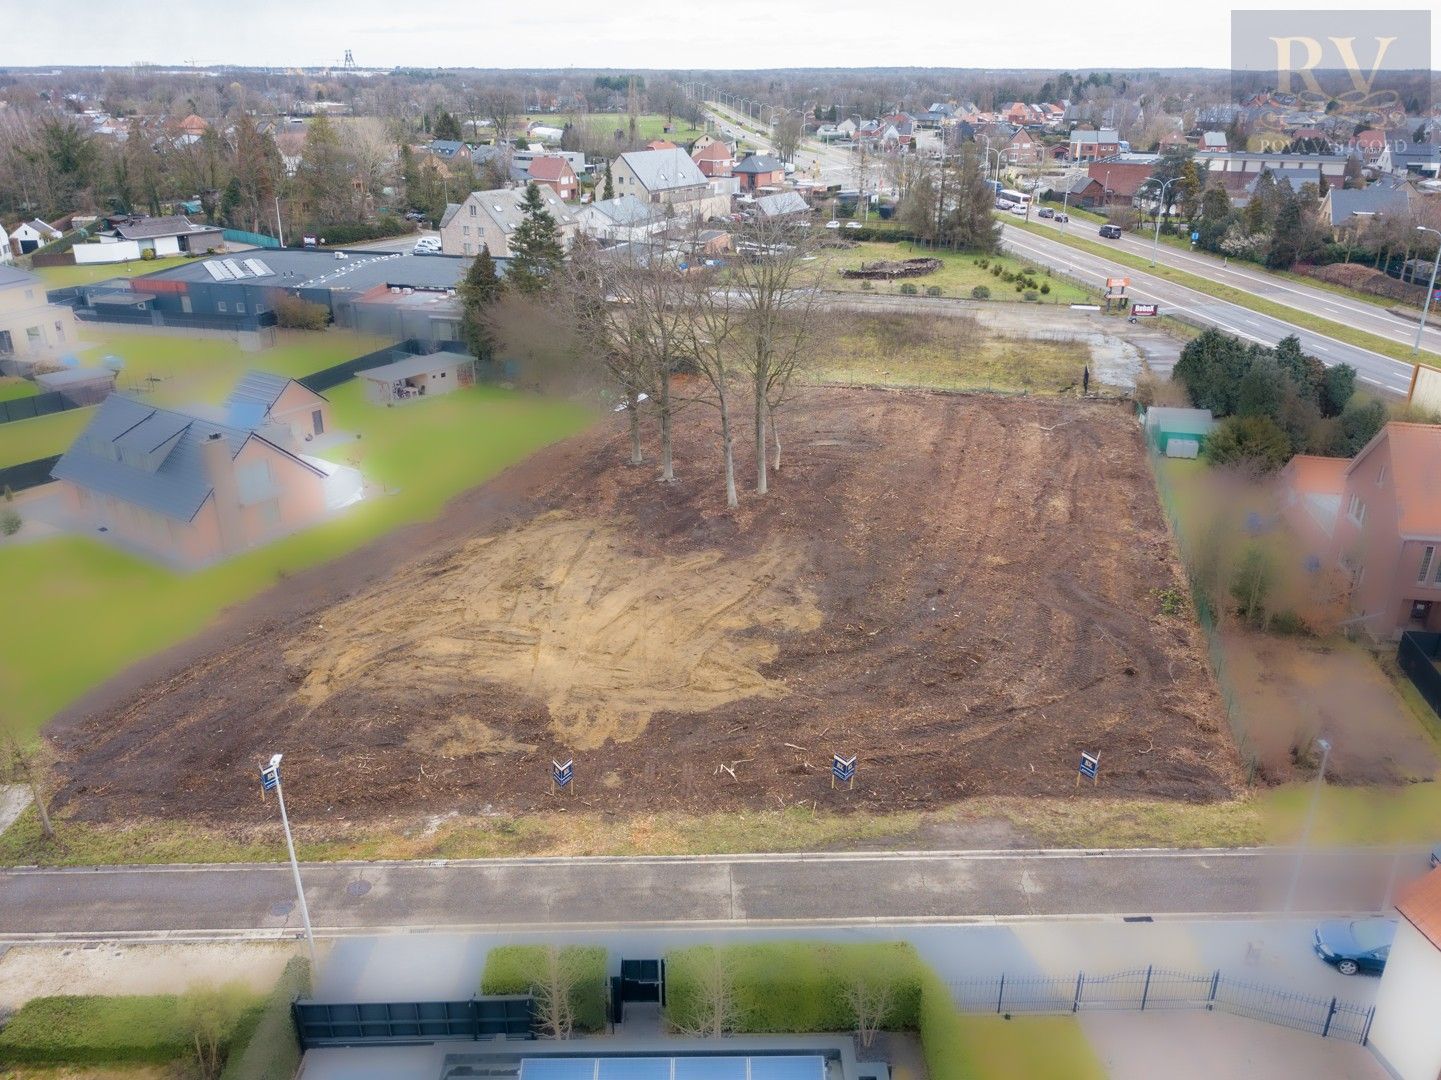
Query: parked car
[(1352, 945), (1018, 210), (833, 224), (854, 225), (1111, 232), (1004, 204), (1045, 211), (1062, 217), (426, 245)]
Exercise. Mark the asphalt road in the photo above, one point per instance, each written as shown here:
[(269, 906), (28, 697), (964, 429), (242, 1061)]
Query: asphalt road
[(1373, 368), (1372, 318), (837, 889)]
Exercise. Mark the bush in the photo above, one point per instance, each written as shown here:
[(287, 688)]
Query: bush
[(980, 292), (1045, 288), (97, 1030), (1031, 296), (9, 522), (516, 969), (264, 1046), (148, 255), (908, 289), (356, 232), (1256, 442), (796, 986), (933, 290), (940, 1027), (293, 313)]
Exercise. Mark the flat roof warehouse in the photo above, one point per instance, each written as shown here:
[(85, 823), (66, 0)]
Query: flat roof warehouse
[(356, 271)]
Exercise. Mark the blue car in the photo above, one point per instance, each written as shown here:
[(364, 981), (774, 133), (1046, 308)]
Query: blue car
[(1352, 945)]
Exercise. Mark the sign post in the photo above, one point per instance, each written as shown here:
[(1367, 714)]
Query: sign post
[(1090, 766), (561, 775), (270, 781), (843, 769), (1144, 309)]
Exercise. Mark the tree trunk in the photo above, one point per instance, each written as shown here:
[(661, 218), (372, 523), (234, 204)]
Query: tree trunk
[(667, 467), (776, 438), (761, 479), (728, 441), (38, 794), (636, 457)]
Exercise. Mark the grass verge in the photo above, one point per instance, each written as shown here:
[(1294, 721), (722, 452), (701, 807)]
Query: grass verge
[(1361, 339), (958, 275), (1055, 822), (62, 277)]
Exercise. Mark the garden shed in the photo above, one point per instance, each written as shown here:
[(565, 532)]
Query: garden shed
[(418, 376), (1178, 433)]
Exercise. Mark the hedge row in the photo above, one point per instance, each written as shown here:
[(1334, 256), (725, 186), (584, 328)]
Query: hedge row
[(357, 232), (517, 969), (94, 1030), (265, 1046)]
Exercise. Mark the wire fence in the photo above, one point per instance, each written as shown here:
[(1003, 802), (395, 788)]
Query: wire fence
[(1140, 989), (1204, 606)]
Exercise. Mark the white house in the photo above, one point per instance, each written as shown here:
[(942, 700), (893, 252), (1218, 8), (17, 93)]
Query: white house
[(1406, 1033), (163, 236), (6, 255), (622, 219), (29, 235)]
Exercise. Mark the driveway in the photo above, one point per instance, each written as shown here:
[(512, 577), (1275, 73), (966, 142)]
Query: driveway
[(1216, 1046)]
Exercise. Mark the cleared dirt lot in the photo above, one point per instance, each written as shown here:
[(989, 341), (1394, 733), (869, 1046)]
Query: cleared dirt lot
[(961, 590)]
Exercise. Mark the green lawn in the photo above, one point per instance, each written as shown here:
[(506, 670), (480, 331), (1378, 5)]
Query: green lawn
[(957, 276), (123, 608), (61, 277), (11, 389), (1361, 339), (1035, 1047), (26, 440)]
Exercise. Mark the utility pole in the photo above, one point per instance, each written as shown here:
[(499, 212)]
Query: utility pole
[(270, 781), (279, 227), (1430, 289)]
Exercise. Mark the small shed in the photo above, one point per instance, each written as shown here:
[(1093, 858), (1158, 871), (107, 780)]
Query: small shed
[(418, 376), (1178, 433), (78, 385)]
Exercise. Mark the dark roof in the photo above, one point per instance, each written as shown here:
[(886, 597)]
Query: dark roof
[(10, 275), (255, 395), (1345, 203), (759, 163), (359, 271), (149, 228)]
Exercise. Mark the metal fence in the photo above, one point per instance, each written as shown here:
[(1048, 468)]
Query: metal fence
[(241, 236), (27, 408), (318, 1023), (27, 474), (1416, 655), (1160, 988)]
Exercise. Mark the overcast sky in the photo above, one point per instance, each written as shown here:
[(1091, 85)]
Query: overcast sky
[(660, 34)]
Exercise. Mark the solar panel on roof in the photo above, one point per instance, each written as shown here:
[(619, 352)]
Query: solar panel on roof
[(234, 268), (557, 1069), (710, 1068), (258, 268), (652, 1068), (219, 271), (788, 1068)]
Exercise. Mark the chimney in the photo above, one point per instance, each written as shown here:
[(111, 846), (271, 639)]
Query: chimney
[(220, 472)]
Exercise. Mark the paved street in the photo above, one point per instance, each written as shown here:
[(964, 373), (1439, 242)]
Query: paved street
[(1374, 369), (848, 888)]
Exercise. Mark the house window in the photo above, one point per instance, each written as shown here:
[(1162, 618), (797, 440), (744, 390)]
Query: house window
[(1356, 510), (32, 336), (1427, 558), (472, 209), (59, 330), (239, 308), (465, 230), (7, 345), (220, 305)]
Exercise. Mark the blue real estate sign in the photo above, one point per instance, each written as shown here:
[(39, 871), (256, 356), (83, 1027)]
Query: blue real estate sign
[(562, 774), (1089, 765)]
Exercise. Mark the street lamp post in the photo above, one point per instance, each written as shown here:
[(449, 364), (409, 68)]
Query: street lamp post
[(270, 781), (1310, 822), (1160, 206), (1430, 289)]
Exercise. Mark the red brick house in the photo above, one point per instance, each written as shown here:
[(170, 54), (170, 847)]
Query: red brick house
[(1088, 145), (1122, 178), (1376, 518), (1024, 149), (758, 171), (556, 174), (716, 158), (661, 144)]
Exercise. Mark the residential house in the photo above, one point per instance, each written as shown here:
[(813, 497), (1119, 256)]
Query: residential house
[(490, 218), (904, 125), (1347, 208), (1024, 149), (1214, 142), (193, 125), (701, 143), (1123, 175), (624, 219), (1020, 113), (190, 489), (1235, 169), (260, 398), (758, 171), (556, 174), (1084, 191), (669, 178), (783, 204), (661, 144), (1422, 160), (447, 148), (847, 128), (29, 235), (132, 237), (31, 328), (420, 376), (714, 159), (7, 254), (1404, 1034), (1089, 144), (1377, 519), (1370, 144)]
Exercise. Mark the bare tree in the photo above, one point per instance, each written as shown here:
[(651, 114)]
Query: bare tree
[(714, 1012), (504, 110), (787, 130), (870, 998), (712, 349), (25, 765), (555, 992), (209, 1014), (775, 279)]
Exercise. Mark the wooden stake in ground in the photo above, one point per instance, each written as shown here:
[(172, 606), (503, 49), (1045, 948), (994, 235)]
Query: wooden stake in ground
[(25, 766)]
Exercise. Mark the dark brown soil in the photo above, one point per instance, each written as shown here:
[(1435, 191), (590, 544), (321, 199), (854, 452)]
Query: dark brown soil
[(985, 571)]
